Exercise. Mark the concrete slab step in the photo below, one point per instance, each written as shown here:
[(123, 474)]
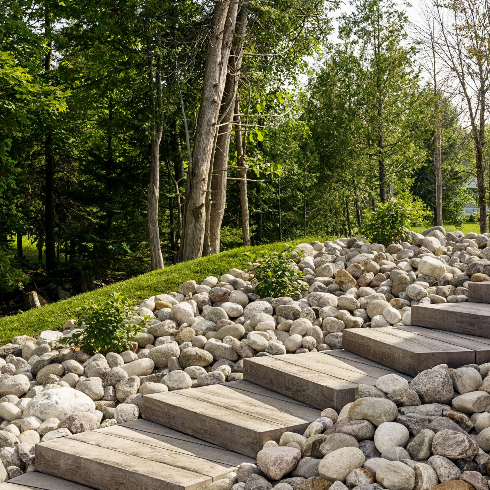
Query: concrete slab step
[(319, 379), (134, 457), (479, 292), (414, 349), (238, 417), (465, 318)]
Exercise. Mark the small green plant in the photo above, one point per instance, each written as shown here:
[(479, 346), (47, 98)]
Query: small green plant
[(276, 273), (389, 223), (107, 326)]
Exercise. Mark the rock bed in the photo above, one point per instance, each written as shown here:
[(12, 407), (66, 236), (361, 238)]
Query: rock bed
[(200, 334), (433, 432)]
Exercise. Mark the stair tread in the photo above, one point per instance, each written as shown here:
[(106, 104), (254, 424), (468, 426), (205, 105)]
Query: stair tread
[(464, 318), (320, 379), (413, 349), (228, 416), (134, 457), (40, 481)]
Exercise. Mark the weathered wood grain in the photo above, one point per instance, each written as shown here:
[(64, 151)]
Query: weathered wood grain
[(407, 351), (222, 416), (317, 379), (121, 458), (479, 292), (41, 481), (465, 318)]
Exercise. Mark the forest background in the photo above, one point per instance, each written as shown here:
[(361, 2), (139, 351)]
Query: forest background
[(136, 133)]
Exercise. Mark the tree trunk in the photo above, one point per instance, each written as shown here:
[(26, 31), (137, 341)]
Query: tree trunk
[(480, 183), (242, 183), (20, 251), (279, 209), (49, 203), (224, 19), (220, 165), (154, 187), (438, 172), (349, 227)]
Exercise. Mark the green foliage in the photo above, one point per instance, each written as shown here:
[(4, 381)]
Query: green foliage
[(108, 326), (276, 273), (54, 315), (12, 276), (387, 224), (417, 212)]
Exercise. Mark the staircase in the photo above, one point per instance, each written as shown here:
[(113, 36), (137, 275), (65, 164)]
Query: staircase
[(190, 438)]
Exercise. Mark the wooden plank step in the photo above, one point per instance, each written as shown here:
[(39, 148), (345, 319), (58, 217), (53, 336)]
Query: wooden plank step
[(319, 379), (199, 448), (479, 292), (40, 481), (414, 349), (466, 318), (226, 416), (121, 457)]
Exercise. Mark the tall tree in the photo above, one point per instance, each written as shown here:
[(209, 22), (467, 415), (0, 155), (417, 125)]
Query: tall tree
[(388, 82), (218, 52), (463, 43)]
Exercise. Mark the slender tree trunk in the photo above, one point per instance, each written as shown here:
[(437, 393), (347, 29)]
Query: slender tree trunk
[(20, 251), (437, 139), (49, 206), (242, 183), (480, 183), (358, 214), (349, 227), (224, 19), (279, 209), (381, 160), (154, 187), (220, 165)]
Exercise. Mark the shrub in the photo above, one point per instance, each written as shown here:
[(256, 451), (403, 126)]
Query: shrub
[(276, 273), (389, 223), (108, 326), (11, 275)]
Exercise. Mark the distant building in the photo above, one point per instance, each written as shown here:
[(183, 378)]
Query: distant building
[(472, 207)]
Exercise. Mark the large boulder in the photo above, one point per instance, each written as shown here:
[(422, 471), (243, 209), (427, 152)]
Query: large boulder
[(58, 403)]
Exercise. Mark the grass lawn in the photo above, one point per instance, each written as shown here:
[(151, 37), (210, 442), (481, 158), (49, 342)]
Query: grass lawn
[(53, 316), (465, 228)]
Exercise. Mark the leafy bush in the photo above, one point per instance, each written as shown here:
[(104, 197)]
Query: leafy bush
[(389, 223), (11, 275), (108, 326), (276, 273)]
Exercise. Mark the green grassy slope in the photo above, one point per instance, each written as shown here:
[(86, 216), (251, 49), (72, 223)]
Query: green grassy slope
[(54, 315)]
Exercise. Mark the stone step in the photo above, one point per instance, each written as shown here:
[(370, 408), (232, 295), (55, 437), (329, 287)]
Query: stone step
[(414, 349), (40, 481), (238, 416), (465, 318), (479, 292), (135, 456), (318, 379)]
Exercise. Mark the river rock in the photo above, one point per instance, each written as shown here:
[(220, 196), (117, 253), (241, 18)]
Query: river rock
[(454, 445), (376, 410), (390, 434), (433, 386), (338, 464), (58, 403), (396, 476), (275, 462)]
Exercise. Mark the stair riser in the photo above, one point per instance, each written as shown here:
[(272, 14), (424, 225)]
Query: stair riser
[(304, 391), (402, 358), (479, 292)]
